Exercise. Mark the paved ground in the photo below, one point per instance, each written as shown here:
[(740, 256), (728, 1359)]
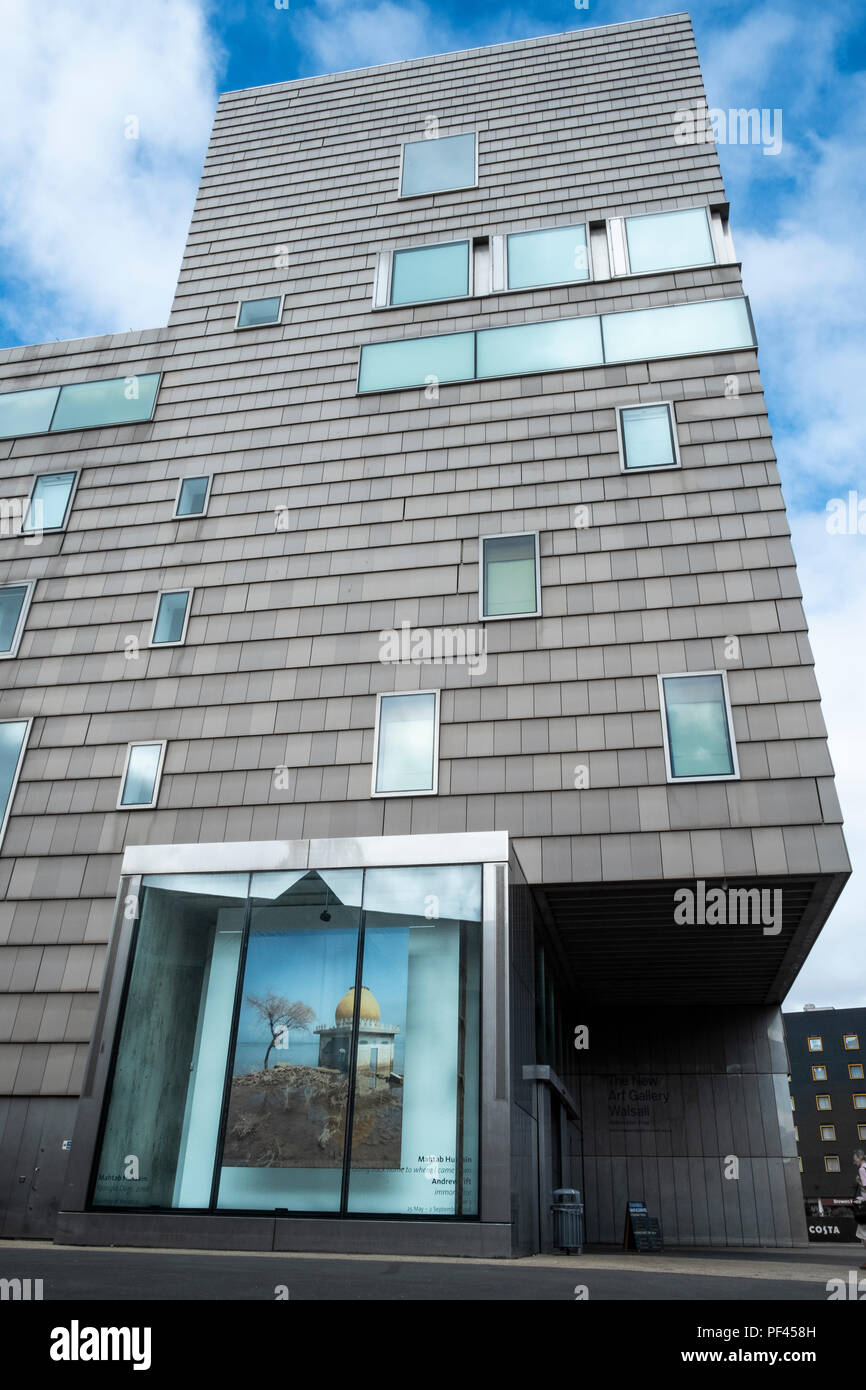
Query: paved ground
[(77, 1272)]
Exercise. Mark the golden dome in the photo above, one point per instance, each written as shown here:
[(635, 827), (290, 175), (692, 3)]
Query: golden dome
[(346, 1006)]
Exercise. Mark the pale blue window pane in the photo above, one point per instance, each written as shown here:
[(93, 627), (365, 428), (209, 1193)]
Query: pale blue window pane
[(138, 787), (698, 735), (48, 502), (539, 347), (27, 412), (547, 258), (430, 166), (417, 361), (665, 240), (11, 602), (509, 575), (118, 402), (430, 272), (716, 325), (257, 311), (170, 616), (647, 437), (12, 735), (407, 733), (193, 495)]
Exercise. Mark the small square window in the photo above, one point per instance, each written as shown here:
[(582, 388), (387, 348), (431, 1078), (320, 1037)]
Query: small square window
[(828, 1131), (851, 1042), (855, 1071), (14, 603), (142, 771), (406, 744), (831, 1163), (437, 166), (49, 503), (859, 1101), (697, 727), (14, 734), (648, 437), (861, 1131), (819, 1073), (823, 1103), (815, 1044), (424, 273), (193, 496), (258, 313), (510, 584), (170, 618)]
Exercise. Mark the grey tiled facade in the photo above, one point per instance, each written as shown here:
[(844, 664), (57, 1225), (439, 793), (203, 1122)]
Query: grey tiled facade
[(387, 495)]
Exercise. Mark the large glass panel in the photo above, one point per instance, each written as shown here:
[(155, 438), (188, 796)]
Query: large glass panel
[(407, 742), (430, 272), (12, 598), (120, 401), (539, 347), (697, 721), (49, 500), (27, 412), (547, 258), (647, 437), (13, 733), (715, 325), (509, 575), (142, 770), (665, 240), (163, 1119), (192, 496), (430, 166), (416, 1105), (286, 1125), (417, 361), (259, 311), (170, 617)]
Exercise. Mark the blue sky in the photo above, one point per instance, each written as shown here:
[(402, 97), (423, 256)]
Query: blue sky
[(92, 227)]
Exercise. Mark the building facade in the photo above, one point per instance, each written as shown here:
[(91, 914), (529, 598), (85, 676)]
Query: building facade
[(414, 618)]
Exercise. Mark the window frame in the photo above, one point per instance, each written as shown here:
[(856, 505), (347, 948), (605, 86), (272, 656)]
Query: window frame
[(861, 1131), (824, 1109), (548, 284), (859, 1095), (454, 188), (851, 1076), (271, 323), (733, 776), (70, 503), (620, 435), (815, 1037), (832, 1158), (73, 429), (191, 516), (157, 781), (13, 786), (388, 694), (618, 248), (822, 1066), (845, 1037), (29, 585), (827, 1138), (484, 617), (467, 241), (159, 597)]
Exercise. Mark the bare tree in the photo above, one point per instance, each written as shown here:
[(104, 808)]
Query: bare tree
[(281, 1016)]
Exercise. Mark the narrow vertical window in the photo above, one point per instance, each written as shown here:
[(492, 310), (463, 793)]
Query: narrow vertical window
[(648, 437), (49, 504), (406, 748), (139, 785), (13, 741), (14, 603), (510, 586), (697, 727), (171, 617), (193, 496)]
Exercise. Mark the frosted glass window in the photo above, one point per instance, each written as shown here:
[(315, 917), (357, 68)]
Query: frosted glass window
[(539, 347), (714, 325), (14, 599), (417, 362), (648, 437), (49, 502), (141, 779), (253, 312), (551, 257), (433, 166), (169, 624), (121, 401), (430, 272), (698, 735), (27, 412), (509, 576), (193, 497), (13, 737), (666, 240), (406, 743)]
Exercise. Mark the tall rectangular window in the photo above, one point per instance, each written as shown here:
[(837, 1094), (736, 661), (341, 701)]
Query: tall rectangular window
[(49, 504), (430, 272), (256, 313), (171, 617), (406, 745), (193, 496), (697, 726), (553, 257), (647, 437), (122, 401), (436, 166), (510, 581), (14, 603), (139, 785), (13, 742), (668, 240)]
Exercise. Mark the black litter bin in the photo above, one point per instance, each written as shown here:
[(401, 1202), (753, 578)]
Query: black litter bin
[(567, 1211)]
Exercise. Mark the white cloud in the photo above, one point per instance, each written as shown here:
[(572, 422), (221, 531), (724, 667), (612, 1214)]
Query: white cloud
[(93, 223)]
